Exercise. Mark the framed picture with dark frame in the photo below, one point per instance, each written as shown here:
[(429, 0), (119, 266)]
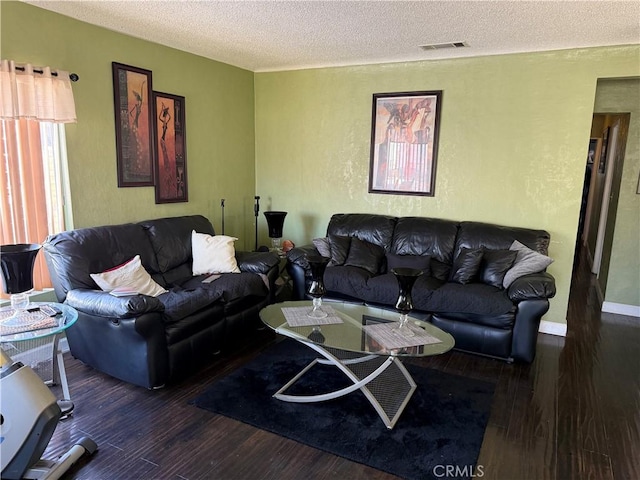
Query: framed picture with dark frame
[(133, 116), (171, 148), (404, 142)]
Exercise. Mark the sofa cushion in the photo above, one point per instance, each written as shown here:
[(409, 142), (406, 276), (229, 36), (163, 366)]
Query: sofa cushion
[(365, 255), (339, 249), (494, 265), (171, 238), (208, 322), (373, 228), (466, 266), (421, 262), (499, 237), (384, 289), (213, 253), (425, 236), (73, 255), (476, 298), (232, 286), (180, 303), (346, 280), (527, 261), (130, 274)]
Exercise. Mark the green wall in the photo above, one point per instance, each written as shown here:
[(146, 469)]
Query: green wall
[(623, 281), (513, 141), (219, 119), (513, 138)]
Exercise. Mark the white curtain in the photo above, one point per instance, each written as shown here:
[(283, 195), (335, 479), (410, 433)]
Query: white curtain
[(35, 96), (32, 107)]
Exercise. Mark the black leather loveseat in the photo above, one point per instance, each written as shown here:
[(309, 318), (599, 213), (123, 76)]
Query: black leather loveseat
[(154, 340), (458, 293)]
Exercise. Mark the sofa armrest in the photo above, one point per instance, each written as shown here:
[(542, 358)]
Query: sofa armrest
[(298, 255), (533, 286), (298, 269), (103, 304), (257, 262), (525, 329)]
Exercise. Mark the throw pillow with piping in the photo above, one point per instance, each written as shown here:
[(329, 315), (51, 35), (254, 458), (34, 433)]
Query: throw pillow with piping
[(131, 275)]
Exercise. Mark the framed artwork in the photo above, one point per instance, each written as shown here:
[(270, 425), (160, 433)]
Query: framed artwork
[(133, 115), (404, 142), (170, 147)]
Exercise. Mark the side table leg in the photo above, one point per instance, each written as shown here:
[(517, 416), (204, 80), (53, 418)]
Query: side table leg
[(59, 372)]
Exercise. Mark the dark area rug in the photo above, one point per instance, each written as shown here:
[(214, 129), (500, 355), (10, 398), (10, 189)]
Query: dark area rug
[(443, 423)]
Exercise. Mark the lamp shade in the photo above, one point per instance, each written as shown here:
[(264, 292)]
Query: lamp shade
[(275, 221), (16, 262)]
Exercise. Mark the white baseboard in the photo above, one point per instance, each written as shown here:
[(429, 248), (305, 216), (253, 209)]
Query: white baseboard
[(621, 309), (553, 328)]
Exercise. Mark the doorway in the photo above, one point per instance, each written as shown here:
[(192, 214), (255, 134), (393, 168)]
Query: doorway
[(601, 190)]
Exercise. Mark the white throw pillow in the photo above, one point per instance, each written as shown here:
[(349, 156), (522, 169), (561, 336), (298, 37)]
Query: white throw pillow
[(131, 275), (213, 254), (527, 261)]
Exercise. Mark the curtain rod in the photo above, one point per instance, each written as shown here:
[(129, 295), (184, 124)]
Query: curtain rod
[(72, 76)]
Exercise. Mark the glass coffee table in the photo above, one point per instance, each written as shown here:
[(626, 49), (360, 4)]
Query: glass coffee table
[(38, 346), (361, 341)]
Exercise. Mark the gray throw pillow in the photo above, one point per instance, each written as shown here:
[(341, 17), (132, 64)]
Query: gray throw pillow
[(527, 261)]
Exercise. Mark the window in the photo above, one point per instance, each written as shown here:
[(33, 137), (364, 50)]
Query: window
[(34, 184), (56, 176), (34, 198)]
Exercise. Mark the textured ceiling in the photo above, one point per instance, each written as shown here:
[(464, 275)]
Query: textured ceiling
[(276, 35)]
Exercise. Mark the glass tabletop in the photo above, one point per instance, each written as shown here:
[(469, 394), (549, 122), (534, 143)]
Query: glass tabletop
[(61, 322), (359, 330)]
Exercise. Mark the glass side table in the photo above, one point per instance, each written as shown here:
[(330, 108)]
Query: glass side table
[(40, 349)]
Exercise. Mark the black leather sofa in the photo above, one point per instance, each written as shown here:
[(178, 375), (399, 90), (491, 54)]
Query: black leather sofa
[(483, 316), (153, 341)]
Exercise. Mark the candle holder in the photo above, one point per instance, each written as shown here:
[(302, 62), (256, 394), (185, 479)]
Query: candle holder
[(17, 263), (275, 222), (318, 265), (406, 277)]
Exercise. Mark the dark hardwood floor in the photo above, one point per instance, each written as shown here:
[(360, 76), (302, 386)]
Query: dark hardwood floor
[(572, 414)]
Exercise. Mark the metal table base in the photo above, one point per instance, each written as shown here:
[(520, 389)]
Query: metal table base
[(383, 380)]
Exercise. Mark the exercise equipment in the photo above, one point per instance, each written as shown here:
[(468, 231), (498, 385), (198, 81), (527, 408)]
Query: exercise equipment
[(29, 415)]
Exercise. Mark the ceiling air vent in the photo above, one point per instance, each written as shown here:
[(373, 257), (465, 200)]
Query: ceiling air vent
[(440, 46)]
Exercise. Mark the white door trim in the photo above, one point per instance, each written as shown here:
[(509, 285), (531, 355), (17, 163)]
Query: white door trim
[(606, 198)]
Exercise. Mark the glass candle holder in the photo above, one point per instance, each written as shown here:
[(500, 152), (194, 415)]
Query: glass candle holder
[(317, 289), (406, 277)]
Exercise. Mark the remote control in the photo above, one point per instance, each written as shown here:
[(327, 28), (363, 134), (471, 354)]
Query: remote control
[(50, 310)]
